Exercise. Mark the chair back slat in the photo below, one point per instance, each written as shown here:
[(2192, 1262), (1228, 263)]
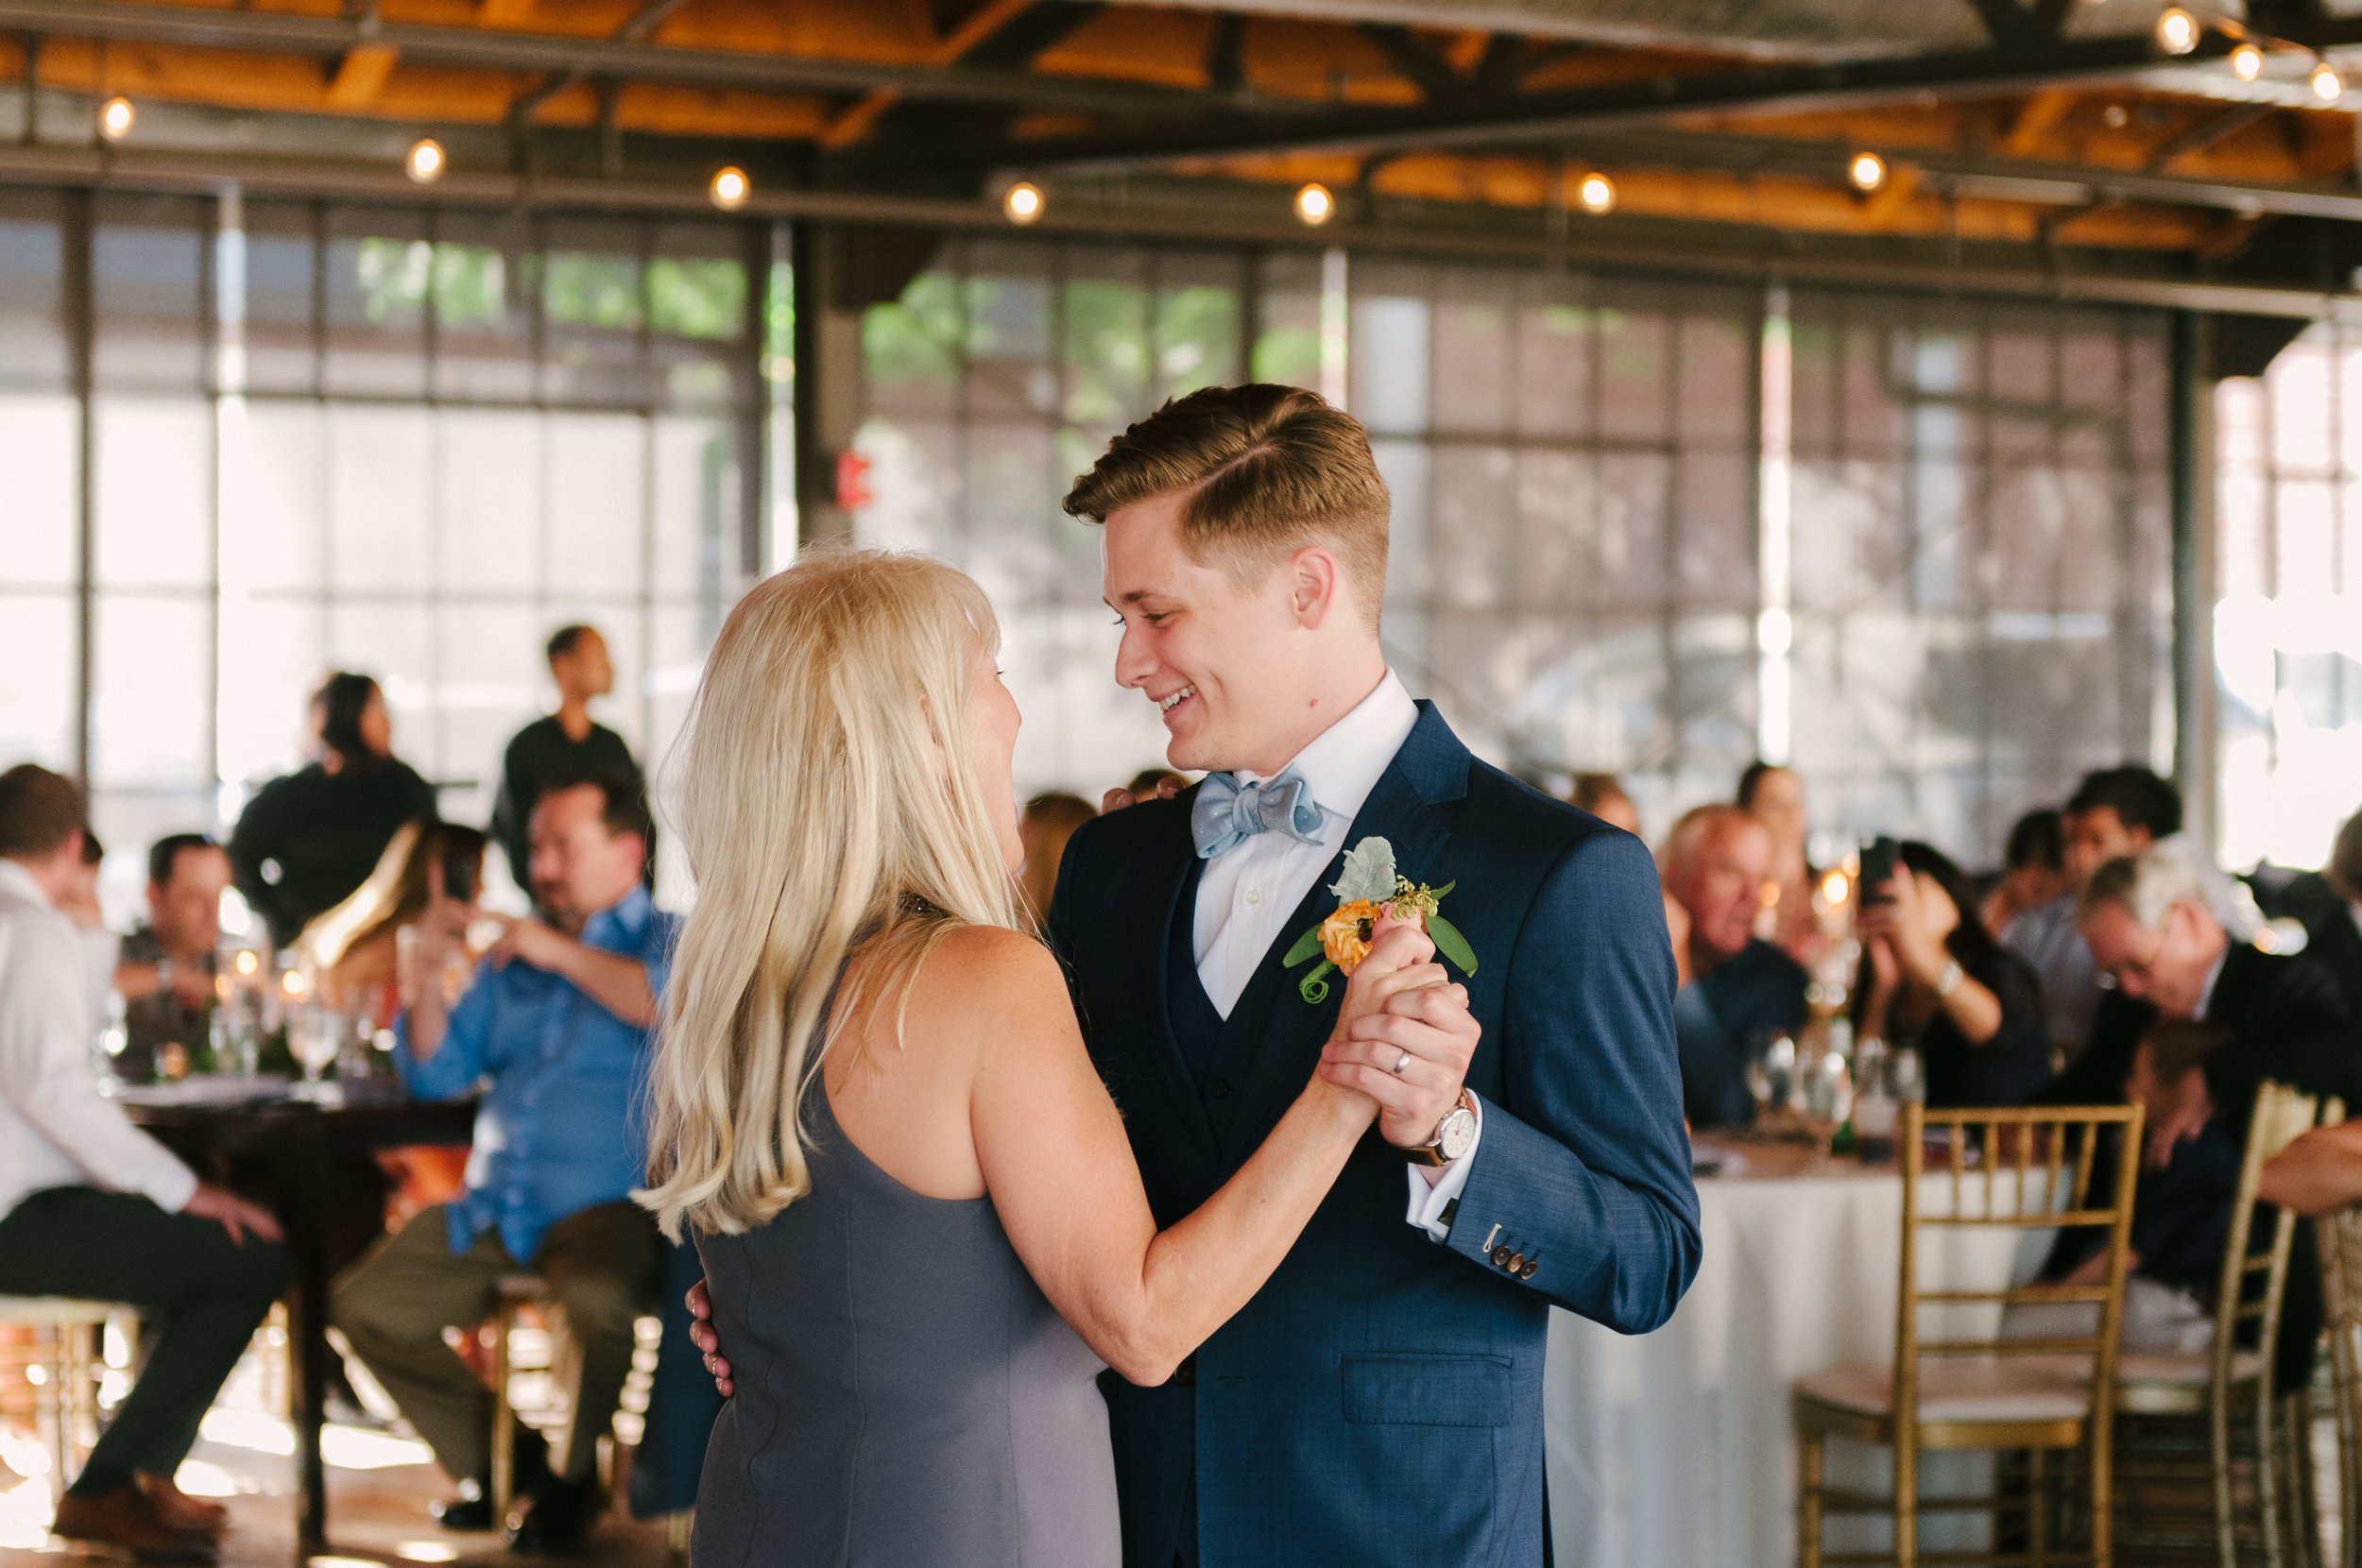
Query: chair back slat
[(2023, 1183), (2280, 1116)]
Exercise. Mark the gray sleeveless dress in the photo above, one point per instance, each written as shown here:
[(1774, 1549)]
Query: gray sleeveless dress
[(906, 1396)]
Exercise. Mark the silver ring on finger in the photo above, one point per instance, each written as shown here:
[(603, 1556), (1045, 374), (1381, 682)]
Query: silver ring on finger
[(1400, 1063)]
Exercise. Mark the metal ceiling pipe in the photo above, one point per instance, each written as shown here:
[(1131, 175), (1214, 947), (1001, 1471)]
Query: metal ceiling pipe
[(1222, 219)]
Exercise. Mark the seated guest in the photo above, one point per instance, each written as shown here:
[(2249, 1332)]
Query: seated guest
[(1736, 987), (2033, 870), (1049, 820), (1774, 796), (353, 946), (2335, 936), (91, 1206), (306, 841), (97, 947), (568, 743), (2182, 1208), (2151, 927), (1933, 978), (2114, 813), (1602, 795), (165, 970), (560, 1019)]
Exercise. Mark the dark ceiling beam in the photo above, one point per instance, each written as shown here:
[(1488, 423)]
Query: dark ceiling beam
[(2014, 25), (1557, 114), (1412, 60), (1218, 212), (1226, 53), (2033, 181), (1498, 68), (329, 38), (2229, 122)]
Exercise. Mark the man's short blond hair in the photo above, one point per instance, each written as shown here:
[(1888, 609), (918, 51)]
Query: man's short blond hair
[(1268, 471)]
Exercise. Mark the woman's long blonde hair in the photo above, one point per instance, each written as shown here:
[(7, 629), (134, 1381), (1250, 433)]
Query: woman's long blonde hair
[(827, 799)]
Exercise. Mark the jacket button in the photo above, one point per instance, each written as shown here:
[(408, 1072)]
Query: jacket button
[(1531, 1269), (1185, 1375), (1500, 1257), (1516, 1261), (1222, 1088)]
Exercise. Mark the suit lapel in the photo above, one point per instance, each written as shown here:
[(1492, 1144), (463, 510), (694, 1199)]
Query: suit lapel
[(1430, 772), (1164, 885)]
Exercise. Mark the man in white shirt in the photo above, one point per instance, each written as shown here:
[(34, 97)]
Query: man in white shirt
[(92, 1208)]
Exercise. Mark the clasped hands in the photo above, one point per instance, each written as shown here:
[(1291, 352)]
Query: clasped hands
[(1404, 1035), (443, 928)]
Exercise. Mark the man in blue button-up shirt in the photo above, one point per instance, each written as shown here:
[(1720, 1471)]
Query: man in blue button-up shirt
[(556, 1027)]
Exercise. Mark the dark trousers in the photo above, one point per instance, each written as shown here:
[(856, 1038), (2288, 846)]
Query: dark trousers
[(205, 1292), (393, 1305)]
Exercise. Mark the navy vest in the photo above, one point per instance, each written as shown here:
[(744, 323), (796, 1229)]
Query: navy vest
[(1220, 1051)]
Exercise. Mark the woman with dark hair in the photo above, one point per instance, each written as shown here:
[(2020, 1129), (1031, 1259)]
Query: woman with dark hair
[(306, 841), (1933, 978)]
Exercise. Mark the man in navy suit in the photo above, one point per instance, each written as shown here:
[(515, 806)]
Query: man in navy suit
[(1379, 1400)]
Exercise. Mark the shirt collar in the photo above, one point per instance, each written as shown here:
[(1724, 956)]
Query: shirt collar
[(1343, 763), (2206, 992), (15, 878), (620, 920)]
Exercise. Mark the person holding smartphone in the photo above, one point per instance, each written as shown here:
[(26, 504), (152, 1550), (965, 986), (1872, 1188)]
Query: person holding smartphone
[(559, 1018), (1932, 977)]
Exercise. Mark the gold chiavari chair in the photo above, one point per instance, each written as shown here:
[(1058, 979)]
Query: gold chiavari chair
[(2339, 1239), (2031, 1171), (2226, 1381)]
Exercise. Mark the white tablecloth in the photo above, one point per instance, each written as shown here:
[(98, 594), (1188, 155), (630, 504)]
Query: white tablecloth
[(1674, 1450)]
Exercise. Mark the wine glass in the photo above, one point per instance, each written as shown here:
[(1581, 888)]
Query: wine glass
[(315, 1034)]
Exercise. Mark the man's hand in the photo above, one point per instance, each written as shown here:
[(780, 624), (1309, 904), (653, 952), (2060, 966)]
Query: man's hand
[(232, 1213), (702, 1336), (1116, 800), (1426, 1032), (530, 942)]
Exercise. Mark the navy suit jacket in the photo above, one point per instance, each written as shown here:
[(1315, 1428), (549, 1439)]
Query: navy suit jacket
[(1379, 1400)]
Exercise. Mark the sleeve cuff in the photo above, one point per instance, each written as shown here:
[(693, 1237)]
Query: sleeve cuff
[(1431, 1204), (172, 1184)]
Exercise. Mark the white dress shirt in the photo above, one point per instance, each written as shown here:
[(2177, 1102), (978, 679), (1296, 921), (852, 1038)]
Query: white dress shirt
[(56, 1129), (1249, 890)]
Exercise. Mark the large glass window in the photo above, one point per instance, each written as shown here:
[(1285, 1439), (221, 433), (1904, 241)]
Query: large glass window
[(2288, 612), (1976, 527), (396, 441)]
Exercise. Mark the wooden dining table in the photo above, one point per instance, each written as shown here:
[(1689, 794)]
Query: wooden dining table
[(316, 1165)]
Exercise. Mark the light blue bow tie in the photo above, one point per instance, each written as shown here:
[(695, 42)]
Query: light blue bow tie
[(1226, 813)]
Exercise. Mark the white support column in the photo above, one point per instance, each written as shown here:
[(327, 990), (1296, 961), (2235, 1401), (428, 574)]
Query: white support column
[(1774, 536)]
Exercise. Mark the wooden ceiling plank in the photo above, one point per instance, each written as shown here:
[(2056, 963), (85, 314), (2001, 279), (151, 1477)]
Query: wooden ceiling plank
[(2036, 118), (361, 76), (502, 13)]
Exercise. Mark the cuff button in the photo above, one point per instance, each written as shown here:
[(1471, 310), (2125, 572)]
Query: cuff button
[(1500, 1257), (1531, 1269)]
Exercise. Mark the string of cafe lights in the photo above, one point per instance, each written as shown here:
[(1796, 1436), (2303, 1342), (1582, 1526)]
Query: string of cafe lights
[(2177, 31)]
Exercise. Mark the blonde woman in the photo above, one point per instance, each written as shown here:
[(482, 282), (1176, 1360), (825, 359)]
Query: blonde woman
[(920, 1222)]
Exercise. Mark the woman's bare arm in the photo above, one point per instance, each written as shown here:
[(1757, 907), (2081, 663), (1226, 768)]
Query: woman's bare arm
[(1062, 1177)]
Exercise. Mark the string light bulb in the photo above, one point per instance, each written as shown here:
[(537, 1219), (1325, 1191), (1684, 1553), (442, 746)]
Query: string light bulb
[(1314, 204), (2247, 63), (1023, 202), (2177, 30), (1597, 193), (115, 118), (2327, 85), (729, 188), (425, 162), (1866, 171)]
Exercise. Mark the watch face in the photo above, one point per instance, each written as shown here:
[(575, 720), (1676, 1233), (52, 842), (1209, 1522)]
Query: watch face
[(1458, 1134)]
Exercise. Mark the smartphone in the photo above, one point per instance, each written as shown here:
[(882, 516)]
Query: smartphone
[(459, 878), (1877, 868)]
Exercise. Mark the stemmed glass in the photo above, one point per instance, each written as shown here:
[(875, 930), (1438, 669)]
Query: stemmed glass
[(1771, 1074), (314, 1035)]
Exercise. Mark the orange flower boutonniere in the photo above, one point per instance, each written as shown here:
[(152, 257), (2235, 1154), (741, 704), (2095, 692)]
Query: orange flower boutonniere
[(1368, 891)]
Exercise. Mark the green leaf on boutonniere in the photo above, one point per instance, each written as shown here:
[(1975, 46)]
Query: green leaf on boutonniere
[(1307, 944), (1449, 943)]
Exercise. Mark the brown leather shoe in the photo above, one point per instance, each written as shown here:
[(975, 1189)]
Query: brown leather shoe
[(128, 1521), (181, 1511)]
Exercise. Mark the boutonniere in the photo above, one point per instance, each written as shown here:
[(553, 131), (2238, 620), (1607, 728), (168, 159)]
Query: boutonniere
[(1367, 891)]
